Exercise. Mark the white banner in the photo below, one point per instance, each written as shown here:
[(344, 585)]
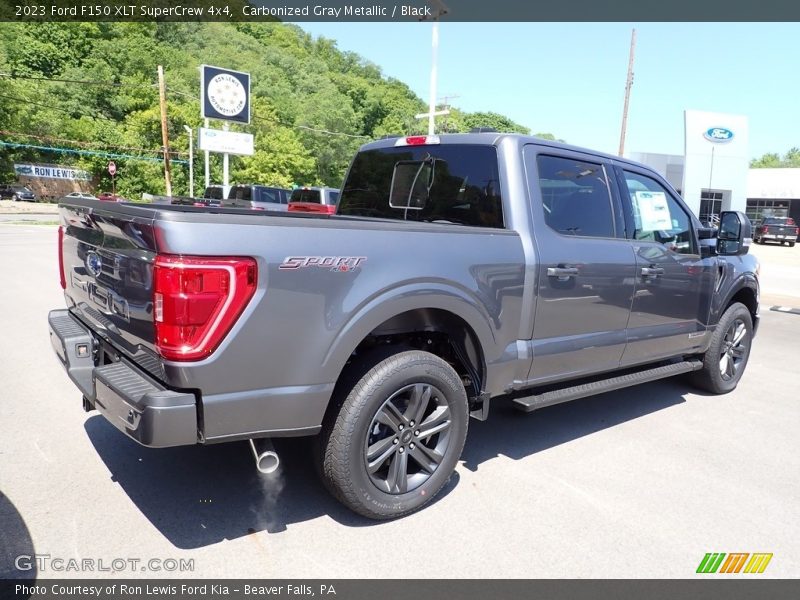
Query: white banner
[(52, 172), (226, 142)]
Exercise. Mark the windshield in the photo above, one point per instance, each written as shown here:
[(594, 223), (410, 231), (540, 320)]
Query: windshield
[(448, 183)]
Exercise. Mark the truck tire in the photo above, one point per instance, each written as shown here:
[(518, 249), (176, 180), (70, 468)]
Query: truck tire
[(726, 357), (791, 244), (397, 436)]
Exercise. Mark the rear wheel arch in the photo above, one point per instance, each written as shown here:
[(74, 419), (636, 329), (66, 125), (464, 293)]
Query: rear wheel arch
[(438, 331)]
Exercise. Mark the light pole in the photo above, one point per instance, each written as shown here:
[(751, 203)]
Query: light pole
[(190, 131)]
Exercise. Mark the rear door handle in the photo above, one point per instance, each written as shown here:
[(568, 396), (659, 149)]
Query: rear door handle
[(562, 271), (652, 271)]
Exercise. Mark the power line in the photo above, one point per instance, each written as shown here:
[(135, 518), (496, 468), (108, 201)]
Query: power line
[(49, 138), (79, 81), (87, 152), (62, 110)]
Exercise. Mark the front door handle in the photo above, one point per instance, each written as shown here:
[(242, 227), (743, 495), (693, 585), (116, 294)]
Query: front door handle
[(562, 271), (652, 271)]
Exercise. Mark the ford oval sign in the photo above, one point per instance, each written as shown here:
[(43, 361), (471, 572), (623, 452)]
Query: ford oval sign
[(718, 135)]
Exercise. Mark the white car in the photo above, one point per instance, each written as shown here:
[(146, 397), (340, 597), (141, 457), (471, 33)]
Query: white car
[(81, 195)]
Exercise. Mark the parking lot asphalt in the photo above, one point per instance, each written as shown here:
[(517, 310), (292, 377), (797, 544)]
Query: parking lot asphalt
[(637, 483)]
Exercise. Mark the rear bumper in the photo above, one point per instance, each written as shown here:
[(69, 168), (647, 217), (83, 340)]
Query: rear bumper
[(778, 237), (137, 405)]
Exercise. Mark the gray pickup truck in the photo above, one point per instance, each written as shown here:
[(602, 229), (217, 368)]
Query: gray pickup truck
[(458, 269)]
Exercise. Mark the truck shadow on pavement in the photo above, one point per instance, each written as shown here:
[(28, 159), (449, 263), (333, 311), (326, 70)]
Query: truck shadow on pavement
[(200, 495), (15, 542)]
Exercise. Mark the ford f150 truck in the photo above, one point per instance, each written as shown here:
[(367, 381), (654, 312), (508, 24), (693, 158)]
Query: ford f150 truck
[(776, 229), (458, 269)]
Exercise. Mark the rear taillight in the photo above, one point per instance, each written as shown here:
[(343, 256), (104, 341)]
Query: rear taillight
[(196, 301), (61, 272)]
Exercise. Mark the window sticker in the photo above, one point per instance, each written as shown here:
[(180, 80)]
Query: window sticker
[(653, 211)]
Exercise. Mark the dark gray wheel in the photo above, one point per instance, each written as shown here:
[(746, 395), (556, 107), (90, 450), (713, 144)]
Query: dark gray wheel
[(727, 355), (791, 244), (397, 436), (408, 438)]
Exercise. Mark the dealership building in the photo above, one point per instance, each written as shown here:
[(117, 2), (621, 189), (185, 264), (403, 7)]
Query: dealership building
[(714, 173)]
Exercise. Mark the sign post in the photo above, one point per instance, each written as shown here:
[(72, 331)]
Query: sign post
[(112, 170), (225, 95)]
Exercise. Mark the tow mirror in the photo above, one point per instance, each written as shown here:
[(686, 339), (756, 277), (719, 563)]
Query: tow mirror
[(735, 234)]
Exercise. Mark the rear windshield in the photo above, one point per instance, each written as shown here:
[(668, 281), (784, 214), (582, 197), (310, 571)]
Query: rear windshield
[(214, 193), (452, 183), (240, 192), (300, 195), (778, 221)]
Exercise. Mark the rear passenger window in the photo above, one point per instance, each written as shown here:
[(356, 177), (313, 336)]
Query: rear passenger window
[(657, 215), (268, 195), (576, 197), (458, 184)]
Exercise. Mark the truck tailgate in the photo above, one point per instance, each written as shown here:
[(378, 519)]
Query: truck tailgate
[(108, 271)]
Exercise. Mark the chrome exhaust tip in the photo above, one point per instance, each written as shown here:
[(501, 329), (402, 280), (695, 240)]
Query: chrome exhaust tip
[(267, 460)]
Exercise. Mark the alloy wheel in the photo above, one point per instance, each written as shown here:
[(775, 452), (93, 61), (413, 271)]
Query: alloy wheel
[(408, 438), (734, 350)]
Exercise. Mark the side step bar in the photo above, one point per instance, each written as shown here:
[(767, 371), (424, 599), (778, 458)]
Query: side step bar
[(536, 401)]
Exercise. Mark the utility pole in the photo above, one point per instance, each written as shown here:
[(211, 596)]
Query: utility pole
[(162, 93), (439, 10), (628, 85)]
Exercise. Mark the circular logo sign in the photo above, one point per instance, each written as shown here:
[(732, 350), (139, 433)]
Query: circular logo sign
[(718, 135), (227, 95), (112, 168)]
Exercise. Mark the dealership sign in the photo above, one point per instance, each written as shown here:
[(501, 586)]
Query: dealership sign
[(225, 94), (226, 142), (51, 172), (718, 135)]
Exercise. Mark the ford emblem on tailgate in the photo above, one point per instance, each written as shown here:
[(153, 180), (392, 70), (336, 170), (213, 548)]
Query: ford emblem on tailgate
[(94, 263), (718, 135)]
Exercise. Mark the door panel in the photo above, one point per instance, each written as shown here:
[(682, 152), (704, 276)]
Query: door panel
[(585, 278), (669, 307)]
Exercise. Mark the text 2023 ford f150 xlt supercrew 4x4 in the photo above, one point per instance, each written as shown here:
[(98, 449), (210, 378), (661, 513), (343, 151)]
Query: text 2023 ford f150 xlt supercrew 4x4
[(458, 269)]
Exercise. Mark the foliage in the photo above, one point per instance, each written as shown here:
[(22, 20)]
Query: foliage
[(774, 160), (313, 105)]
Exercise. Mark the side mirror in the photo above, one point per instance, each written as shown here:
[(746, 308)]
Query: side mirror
[(735, 234)]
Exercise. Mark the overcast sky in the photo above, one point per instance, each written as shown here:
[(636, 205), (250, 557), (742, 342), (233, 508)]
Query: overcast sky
[(569, 79)]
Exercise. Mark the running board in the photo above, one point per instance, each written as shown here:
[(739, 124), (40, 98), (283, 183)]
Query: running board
[(531, 403)]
